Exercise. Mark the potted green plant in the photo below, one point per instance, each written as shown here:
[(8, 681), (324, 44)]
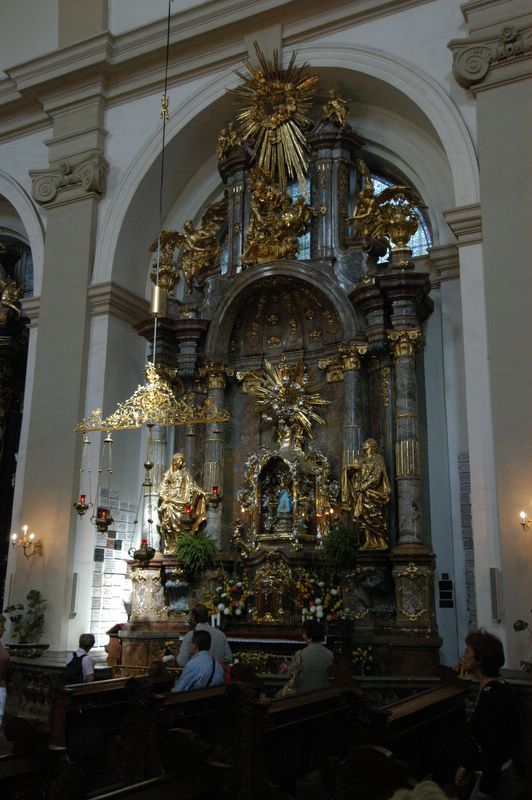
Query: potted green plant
[(340, 547), (195, 553), (27, 621)]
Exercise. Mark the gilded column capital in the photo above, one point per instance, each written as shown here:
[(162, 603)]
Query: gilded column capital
[(474, 58), (215, 374), (405, 342), (351, 355), (69, 181)]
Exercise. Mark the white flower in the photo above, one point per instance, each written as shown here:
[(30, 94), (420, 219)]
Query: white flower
[(312, 609), (318, 601), (333, 592), (227, 611), (218, 588), (221, 606), (238, 612), (239, 583), (319, 612), (224, 594), (321, 583)]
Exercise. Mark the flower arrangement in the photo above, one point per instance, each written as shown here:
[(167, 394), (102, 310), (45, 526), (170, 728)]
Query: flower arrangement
[(231, 596), (27, 622), (315, 600), (363, 660)]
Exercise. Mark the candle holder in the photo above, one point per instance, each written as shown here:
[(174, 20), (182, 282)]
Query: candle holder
[(81, 505), (144, 554), (525, 523), (30, 545), (214, 498), (103, 519)]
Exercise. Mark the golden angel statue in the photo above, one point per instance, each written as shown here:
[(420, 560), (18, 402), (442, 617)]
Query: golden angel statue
[(366, 491), (200, 247), (182, 504), (228, 139), (336, 108)]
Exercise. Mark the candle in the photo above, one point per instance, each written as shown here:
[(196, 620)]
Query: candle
[(24, 529), (522, 515), (32, 537), (82, 498), (14, 537), (143, 542)]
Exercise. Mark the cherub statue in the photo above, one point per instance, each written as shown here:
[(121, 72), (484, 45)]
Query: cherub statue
[(367, 220), (336, 108)]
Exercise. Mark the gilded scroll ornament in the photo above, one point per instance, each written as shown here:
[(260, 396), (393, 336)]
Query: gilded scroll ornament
[(389, 217), (366, 491), (274, 117), (336, 108), (412, 592), (276, 222), (200, 249)]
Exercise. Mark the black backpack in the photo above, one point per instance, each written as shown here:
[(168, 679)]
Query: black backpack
[(73, 672)]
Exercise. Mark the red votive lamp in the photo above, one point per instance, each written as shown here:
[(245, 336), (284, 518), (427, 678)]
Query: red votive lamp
[(82, 498), (143, 542), (188, 509), (215, 489)]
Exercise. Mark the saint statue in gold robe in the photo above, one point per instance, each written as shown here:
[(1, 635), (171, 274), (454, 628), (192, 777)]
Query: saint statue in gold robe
[(182, 505), (366, 491)]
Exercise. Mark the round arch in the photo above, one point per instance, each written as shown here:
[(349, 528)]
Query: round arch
[(130, 220), (244, 284), (23, 205)]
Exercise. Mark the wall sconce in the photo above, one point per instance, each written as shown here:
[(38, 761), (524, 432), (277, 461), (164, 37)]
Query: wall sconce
[(30, 545), (525, 523)]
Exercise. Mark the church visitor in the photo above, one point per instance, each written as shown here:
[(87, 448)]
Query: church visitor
[(426, 790), (493, 726), (80, 666), (309, 667), (219, 647), (4, 664), (201, 670)]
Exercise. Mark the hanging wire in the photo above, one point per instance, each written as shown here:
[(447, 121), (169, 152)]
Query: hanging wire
[(165, 105)]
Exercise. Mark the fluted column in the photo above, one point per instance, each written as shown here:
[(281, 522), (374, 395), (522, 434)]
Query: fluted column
[(405, 343), (213, 468)]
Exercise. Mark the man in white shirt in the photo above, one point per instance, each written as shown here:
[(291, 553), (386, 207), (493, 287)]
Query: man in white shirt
[(219, 649)]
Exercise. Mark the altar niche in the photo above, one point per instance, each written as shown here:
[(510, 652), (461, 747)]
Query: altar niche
[(312, 357)]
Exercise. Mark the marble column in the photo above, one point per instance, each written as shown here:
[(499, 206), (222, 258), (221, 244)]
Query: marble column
[(351, 359), (214, 452), (405, 343)]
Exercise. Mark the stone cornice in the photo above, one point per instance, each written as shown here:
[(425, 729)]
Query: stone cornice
[(480, 63), (131, 63), (465, 223), (445, 262), (70, 180), (31, 308), (110, 299)]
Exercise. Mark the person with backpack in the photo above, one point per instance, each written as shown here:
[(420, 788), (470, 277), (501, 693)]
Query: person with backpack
[(201, 671), (80, 666)]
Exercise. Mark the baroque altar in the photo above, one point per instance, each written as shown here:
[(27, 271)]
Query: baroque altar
[(293, 304)]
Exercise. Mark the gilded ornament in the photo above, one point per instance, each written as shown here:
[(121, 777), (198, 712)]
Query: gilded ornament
[(273, 341), (389, 217), (273, 319), (406, 341), (10, 295), (336, 109), (274, 117), (286, 399), (276, 222), (200, 248), (228, 139), (153, 403)]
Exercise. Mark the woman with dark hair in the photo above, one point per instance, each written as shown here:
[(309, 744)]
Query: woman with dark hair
[(493, 726)]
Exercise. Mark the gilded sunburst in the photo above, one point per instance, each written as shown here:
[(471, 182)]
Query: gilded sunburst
[(276, 103)]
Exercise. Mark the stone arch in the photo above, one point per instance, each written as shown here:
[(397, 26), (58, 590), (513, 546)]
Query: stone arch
[(320, 280), (23, 205), (129, 213)]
